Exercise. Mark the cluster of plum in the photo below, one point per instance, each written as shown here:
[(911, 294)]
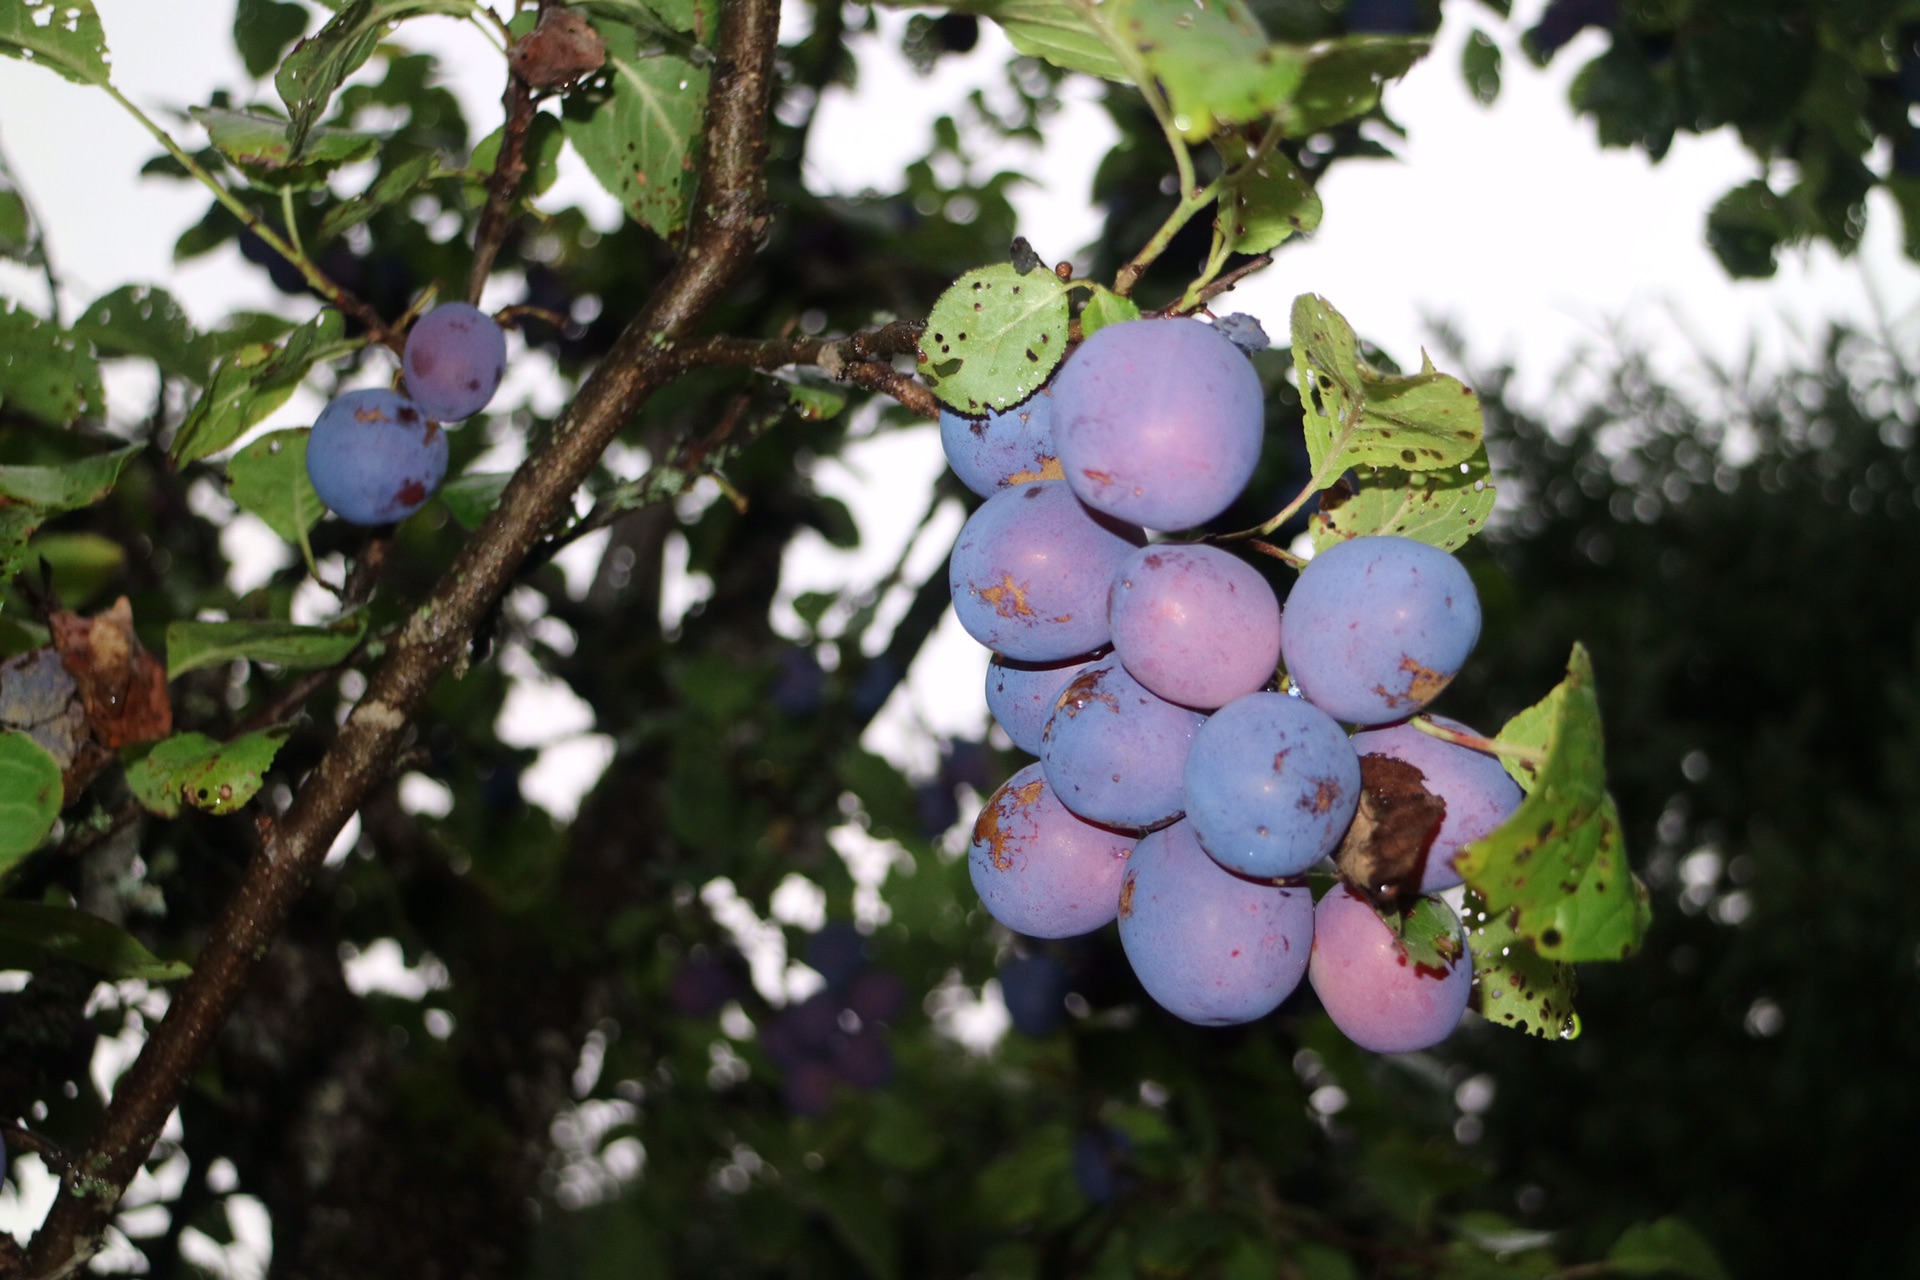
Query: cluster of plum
[(1181, 787), (375, 456)]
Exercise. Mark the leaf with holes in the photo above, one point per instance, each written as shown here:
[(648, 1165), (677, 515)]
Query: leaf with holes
[(193, 645), (637, 128), (61, 35), (1558, 863), (1443, 508), (1359, 417), (1263, 204), (44, 373), (269, 478), (994, 337), (192, 768), (1514, 986), (30, 794)]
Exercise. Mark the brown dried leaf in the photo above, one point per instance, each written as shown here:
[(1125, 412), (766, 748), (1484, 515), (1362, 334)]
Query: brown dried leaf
[(121, 685), (558, 51), (1384, 853)]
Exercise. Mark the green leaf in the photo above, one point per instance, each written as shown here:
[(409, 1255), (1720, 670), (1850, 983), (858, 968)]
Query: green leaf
[(318, 65), (66, 486), (62, 35), (638, 127), (1443, 508), (1212, 59), (30, 794), (269, 478), (262, 30), (389, 189), (17, 524), (1480, 65), (83, 938), (545, 141), (1429, 934), (1356, 416), (259, 145), (899, 1135), (816, 404), (140, 320), (1344, 78), (193, 645), (1746, 227), (471, 497), (219, 777), (994, 337), (44, 373), (1260, 207), (1668, 1246), (1052, 30), (83, 564), (1106, 307), (253, 382), (1558, 863), (1513, 985), (19, 233)]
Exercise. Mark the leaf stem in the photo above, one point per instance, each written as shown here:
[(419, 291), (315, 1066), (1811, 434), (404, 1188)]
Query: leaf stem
[(1527, 756), (1193, 198)]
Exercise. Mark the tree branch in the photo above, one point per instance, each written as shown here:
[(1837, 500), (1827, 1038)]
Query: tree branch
[(865, 359), (729, 215)]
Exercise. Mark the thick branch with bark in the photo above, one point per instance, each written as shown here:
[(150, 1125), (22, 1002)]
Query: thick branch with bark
[(729, 214)]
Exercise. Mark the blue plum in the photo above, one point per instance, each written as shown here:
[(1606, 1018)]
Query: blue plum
[(1378, 997), (1031, 571), (1020, 695), (1376, 627), (453, 361), (1034, 987), (374, 457), (1209, 946), (1113, 752), (1040, 870), (1195, 624), (1003, 449), (1158, 422), (1272, 784)]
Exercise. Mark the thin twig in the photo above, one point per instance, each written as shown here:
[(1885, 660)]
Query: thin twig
[(509, 167)]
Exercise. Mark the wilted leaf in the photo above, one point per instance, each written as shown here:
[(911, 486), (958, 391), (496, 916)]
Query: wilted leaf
[(122, 687)]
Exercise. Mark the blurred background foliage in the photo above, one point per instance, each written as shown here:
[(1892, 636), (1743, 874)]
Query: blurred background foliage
[(581, 1075)]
